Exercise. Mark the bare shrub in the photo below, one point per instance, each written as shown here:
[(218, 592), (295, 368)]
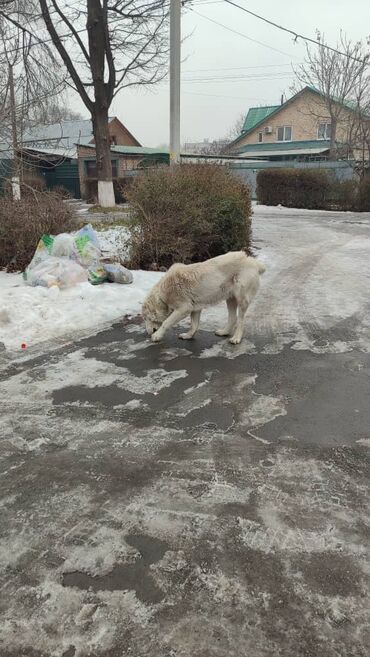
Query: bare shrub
[(188, 213), (23, 222)]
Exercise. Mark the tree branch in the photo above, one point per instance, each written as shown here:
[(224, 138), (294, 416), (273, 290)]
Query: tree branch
[(64, 55), (73, 30)]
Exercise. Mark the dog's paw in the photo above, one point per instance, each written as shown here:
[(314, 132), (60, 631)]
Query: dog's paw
[(186, 336), (157, 336), (235, 339)]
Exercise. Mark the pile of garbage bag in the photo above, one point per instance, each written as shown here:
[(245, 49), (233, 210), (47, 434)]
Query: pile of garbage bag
[(70, 258)]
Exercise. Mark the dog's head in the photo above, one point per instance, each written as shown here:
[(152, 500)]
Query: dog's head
[(154, 312)]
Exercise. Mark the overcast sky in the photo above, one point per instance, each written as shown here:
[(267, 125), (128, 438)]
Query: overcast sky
[(218, 65)]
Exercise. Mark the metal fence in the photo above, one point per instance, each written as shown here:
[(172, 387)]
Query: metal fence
[(342, 170)]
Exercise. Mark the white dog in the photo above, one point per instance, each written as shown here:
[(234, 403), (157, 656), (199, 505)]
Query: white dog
[(188, 289)]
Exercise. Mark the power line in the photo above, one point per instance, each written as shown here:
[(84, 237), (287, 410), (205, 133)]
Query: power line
[(296, 34), (232, 68), (245, 36), (199, 93), (236, 79)]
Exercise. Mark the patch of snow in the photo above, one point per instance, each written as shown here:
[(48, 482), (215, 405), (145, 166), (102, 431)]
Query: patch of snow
[(263, 409), (77, 370), (115, 242), (223, 349), (364, 441), (98, 554), (283, 210)]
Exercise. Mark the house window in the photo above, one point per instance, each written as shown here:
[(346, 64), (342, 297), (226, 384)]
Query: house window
[(324, 131), (91, 170), (284, 133), (260, 136), (113, 140), (90, 166)]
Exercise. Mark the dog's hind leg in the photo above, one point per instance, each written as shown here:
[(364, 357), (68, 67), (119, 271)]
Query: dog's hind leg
[(230, 326), (195, 318), (239, 331)]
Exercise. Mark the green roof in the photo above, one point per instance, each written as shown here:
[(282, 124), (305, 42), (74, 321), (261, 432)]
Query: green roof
[(256, 115), (138, 150), (349, 104), (286, 145), (133, 150)]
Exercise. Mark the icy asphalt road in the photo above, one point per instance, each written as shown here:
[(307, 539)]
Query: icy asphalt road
[(199, 499)]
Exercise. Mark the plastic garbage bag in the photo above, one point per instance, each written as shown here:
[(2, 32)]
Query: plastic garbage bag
[(118, 273), (80, 248), (60, 272), (89, 254), (64, 245)]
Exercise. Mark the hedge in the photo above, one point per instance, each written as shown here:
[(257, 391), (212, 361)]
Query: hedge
[(294, 188), (188, 213), (363, 200)]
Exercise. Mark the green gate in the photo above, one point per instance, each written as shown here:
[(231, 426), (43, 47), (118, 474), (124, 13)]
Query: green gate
[(65, 175)]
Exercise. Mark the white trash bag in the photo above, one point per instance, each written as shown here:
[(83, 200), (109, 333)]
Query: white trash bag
[(64, 246), (59, 272)]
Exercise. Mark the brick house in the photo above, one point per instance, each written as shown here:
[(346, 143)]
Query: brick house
[(53, 151), (298, 129), (125, 161)]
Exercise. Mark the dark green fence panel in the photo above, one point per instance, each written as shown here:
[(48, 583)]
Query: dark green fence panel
[(5, 173), (65, 175)]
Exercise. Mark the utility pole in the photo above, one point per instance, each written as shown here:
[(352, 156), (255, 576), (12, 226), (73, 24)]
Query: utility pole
[(175, 72), (16, 189)]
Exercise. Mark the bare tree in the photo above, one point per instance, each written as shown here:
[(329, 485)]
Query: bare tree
[(337, 75), (29, 77), (56, 111), (105, 46), (214, 147), (237, 127), (358, 133)]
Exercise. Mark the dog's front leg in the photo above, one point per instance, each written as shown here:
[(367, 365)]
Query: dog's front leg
[(195, 317), (175, 317)]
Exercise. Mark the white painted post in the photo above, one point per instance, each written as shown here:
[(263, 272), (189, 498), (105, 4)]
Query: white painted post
[(15, 182), (175, 72)]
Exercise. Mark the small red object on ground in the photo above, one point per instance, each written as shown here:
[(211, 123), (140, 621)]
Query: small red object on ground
[(23, 345)]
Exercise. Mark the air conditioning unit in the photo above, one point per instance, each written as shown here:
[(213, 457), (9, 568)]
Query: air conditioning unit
[(268, 130)]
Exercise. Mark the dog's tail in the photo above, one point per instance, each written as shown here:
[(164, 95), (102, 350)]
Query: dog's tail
[(260, 266)]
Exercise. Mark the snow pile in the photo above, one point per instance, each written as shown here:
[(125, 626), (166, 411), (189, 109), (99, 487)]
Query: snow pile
[(114, 242), (29, 315)]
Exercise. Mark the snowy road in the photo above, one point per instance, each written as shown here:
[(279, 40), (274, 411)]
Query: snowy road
[(198, 499)]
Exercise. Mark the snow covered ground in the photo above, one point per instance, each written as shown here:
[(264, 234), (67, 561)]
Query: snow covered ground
[(310, 269), (29, 315)]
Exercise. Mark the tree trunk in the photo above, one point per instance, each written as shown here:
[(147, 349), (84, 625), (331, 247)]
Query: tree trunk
[(97, 49), (16, 188), (333, 139), (103, 158)]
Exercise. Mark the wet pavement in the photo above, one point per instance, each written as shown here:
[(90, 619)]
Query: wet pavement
[(197, 499)]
